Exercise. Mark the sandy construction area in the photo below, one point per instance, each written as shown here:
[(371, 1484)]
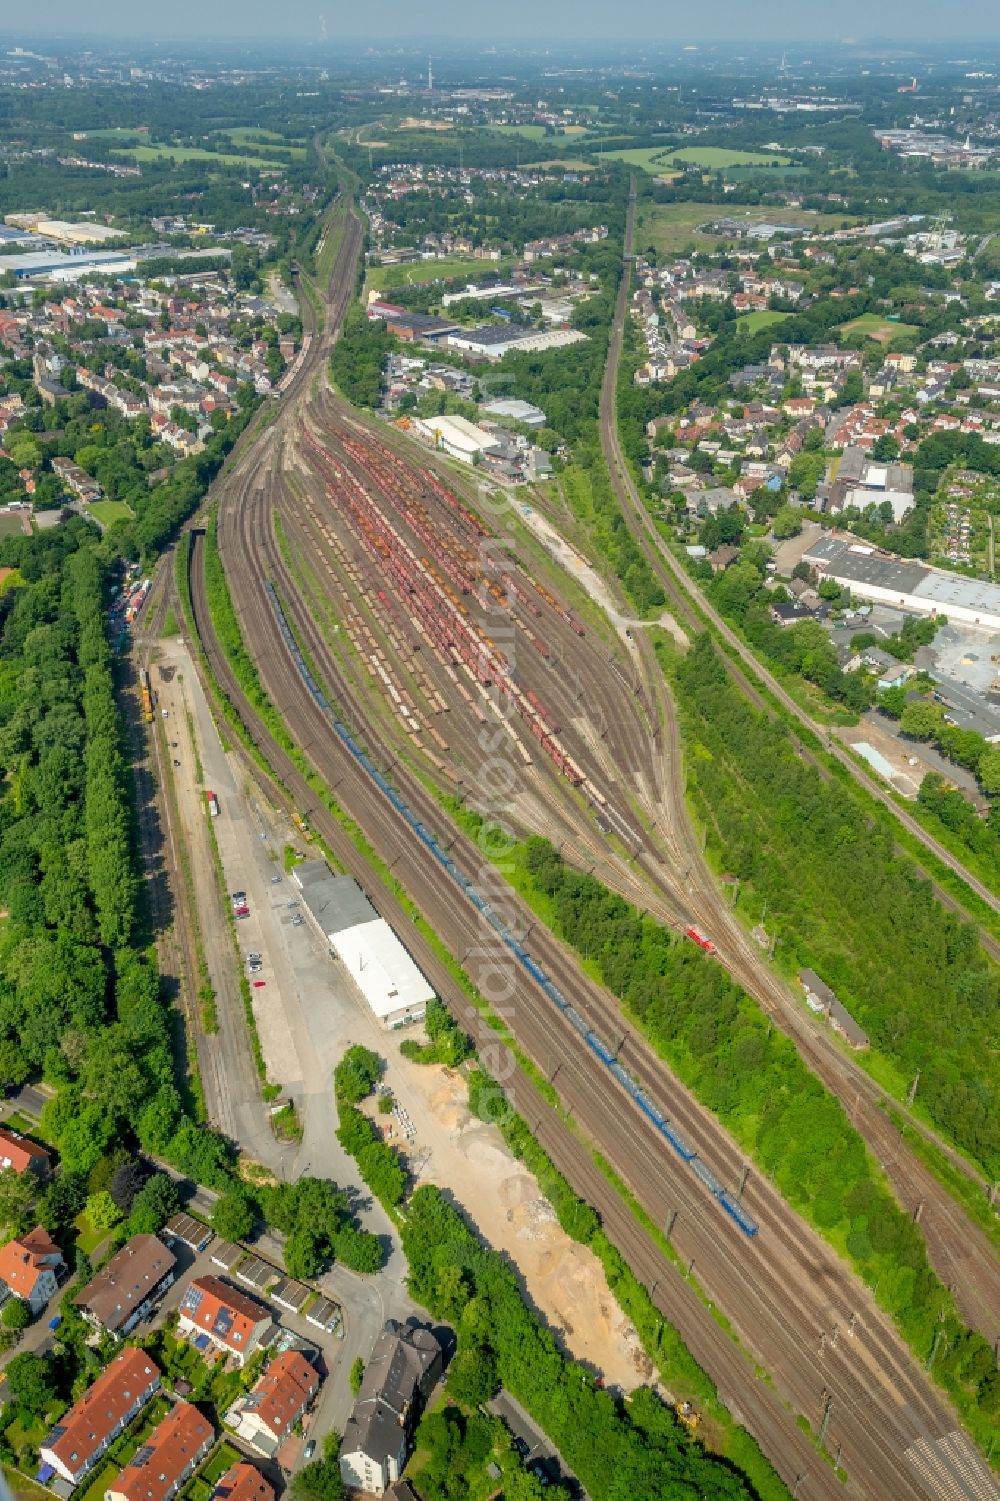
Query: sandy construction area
[(563, 1280)]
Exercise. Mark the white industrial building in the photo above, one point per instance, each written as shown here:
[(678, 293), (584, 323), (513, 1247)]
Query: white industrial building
[(458, 437), (84, 233), (884, 580), (394, 987), (494, 340), (524, 412), (66, 264)]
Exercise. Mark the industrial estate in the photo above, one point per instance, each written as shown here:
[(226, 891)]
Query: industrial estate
[(500, 723)]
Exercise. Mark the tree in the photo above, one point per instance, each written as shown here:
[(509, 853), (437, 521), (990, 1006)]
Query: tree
[(885, 450), (357, 1073), (472, 1379), (787, 523), (921, 719), (319, 1481), (17, 1191), (126, 1183), (853, 388), (303, 1254), (805, 473), (233, 1216), (356, 1375), (24, 451), (30, 1380), (102, 1211), (16, 1315), (988, 771), (153, 1205)]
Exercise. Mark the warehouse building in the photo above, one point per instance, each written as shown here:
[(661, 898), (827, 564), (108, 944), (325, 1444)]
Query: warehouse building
[(61, 264), (493, 340), (518, 411), (393, 986), (457, 436), (885, 580), (84, 233)]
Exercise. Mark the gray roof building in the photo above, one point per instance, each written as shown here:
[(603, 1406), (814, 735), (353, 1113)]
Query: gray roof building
[(125, 1289), (403, 1368), (821, 998), (336, 902)]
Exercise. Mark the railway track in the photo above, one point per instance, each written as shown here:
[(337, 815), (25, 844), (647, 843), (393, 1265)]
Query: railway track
[(787, 1309), (961, 1253), (796, 1270)]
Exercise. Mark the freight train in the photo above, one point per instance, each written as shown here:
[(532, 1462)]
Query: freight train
[(729, 1202)]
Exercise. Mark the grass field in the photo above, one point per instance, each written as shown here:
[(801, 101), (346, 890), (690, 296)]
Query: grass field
[(727, 156), (875, 327), (652, 159), (672, 226), (661, 158), (195, 154), (752, 323), (10, 526), (87, 1238), (107, 512), (538, 132), (383, 278), (248, 133)]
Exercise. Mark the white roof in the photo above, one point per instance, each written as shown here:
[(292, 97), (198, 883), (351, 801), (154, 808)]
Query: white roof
[(378, 963), (460, 433), (86, 233)]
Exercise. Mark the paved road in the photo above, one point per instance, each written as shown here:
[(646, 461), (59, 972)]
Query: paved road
[(305, 1024)]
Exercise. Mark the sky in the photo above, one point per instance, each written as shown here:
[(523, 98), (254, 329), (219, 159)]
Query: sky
[(520, 21)]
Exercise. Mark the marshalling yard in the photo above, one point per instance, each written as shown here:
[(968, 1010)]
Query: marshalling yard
[(409, 638)]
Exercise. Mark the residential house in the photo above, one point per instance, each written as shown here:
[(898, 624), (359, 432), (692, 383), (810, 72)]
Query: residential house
[(790, 613), (88, 1430), (403, 1368), (21, 1155), (168, 1457), (212, 1312), (243, 1482), (30, 1268), (722, 558), (265, 1416), (124, 1292)]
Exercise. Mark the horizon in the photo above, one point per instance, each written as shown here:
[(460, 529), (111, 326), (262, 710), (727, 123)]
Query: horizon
[(575, 25)]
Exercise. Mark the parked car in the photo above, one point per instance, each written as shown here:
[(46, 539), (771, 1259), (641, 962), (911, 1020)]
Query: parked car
[(292, 904), (238, 898), (298, 920), (259, 984), (309, 1450), (275, 880), (254, 958)]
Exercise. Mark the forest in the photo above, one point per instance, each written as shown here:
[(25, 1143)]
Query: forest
[(720, 1043), (80, 998), (843, 902)]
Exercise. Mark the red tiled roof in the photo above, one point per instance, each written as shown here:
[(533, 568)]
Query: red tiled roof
[(209, 1297), (91, 1421), (243, 1482), (20, 1152), (167, 1456), (282, 1393), (23, 1261)]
